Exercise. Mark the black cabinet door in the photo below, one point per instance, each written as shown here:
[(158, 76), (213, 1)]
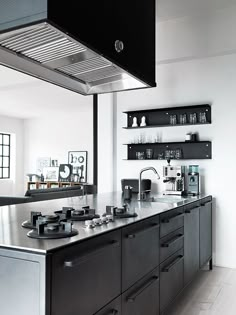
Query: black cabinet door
[(140, 250), (143, 297), (205, 232), (191, 242), (113, 308), (171, 278), (87, 276)]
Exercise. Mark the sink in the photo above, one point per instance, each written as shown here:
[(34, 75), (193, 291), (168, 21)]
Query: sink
[(167, 199)]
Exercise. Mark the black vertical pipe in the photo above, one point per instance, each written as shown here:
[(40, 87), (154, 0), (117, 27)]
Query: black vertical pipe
[(95, 140)]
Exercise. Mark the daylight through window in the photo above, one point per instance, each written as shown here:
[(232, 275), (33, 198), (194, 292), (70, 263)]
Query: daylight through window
[(5, 142)]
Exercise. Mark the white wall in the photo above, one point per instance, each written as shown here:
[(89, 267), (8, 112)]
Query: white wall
[(14, 185), (57, 133), (196, 64)]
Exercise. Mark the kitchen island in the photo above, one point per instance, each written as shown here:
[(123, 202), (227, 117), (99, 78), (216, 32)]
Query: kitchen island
[(130, 266)]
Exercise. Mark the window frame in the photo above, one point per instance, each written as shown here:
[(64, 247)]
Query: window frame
[(2, 156)]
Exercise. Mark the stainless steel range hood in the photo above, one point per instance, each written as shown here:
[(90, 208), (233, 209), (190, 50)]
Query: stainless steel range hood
[(44, 50)]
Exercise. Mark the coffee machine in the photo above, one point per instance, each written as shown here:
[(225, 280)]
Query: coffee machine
[(193, 180), (174, 179)]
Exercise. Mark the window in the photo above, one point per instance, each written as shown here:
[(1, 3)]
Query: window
[(5, 142)]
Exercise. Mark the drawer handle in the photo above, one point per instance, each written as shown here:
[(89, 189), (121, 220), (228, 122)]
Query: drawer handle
[(133, 297), (173, 240), (168, 220), (173, 263), (152, 227), (78, 261), (205, 203), (190, 210)]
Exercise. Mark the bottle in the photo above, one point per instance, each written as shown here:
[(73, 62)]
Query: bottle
[(143, 122), (135, 122)]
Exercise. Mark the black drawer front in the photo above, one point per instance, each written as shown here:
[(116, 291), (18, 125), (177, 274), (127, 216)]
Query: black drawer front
[(171, 278), (113, 308), (171, 221), (143, 297), (171, 244), (90, 271), (140, 250)]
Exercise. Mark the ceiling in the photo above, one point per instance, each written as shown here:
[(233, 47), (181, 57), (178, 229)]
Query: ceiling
[(23, 97)]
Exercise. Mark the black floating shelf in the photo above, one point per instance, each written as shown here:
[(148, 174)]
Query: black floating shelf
[(161, 117), (171, 150)]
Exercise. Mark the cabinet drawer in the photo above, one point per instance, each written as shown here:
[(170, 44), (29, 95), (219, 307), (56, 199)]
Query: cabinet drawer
[(143, 297), (113, 308), (171, 221), (90, 271), (140, 250), (171, 244), (171, 278)]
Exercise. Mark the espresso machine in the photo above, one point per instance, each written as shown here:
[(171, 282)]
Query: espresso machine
[(193, 180), (174, 179)]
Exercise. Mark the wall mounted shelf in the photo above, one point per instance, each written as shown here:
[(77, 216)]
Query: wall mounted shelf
[(171, 116), (170, 150)]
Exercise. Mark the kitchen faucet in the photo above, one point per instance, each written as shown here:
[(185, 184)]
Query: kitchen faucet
[(141, 196)]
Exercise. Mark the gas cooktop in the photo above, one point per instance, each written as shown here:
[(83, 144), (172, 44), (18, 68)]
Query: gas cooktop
[(59, 224), (49, 226)]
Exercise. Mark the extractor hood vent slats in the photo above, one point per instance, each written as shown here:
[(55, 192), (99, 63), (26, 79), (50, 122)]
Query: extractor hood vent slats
[(99, 74), (43, 44), (85, 66)]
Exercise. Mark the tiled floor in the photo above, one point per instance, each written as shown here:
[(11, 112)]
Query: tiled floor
[(212, 293)]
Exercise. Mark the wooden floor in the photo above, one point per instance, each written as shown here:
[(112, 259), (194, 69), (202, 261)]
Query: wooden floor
[(212, 293)]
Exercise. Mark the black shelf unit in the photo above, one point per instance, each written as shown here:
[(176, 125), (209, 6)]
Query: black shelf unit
[(189, 150), (160, 117)]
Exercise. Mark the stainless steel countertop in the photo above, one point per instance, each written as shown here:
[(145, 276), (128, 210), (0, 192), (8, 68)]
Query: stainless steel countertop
[(14, 236)]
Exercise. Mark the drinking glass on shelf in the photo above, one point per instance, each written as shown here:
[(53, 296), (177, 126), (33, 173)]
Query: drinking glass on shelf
[(178, 154), (202, 118), (173, 119), (167, 154), (183, 119), (160, 156), (193, 118), (140, 155), (149, 153), (172, 154)]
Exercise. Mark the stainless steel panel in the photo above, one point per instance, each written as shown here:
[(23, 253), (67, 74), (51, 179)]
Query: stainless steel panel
[(22, 283)]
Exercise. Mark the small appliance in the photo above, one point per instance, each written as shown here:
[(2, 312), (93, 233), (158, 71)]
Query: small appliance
[(193, 180), (174, 179)]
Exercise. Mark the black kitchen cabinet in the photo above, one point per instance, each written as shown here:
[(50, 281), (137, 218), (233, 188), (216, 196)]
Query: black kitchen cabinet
[(87, 276), (206, 232), (113, 308), (171, 221), (191, 242), (100, 24), (140, 250), (143, 297), (171, 278), (171, 244)]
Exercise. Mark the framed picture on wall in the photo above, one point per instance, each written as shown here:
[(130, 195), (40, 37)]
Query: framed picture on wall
[(78, 160), (43, 162), (51, 174)]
